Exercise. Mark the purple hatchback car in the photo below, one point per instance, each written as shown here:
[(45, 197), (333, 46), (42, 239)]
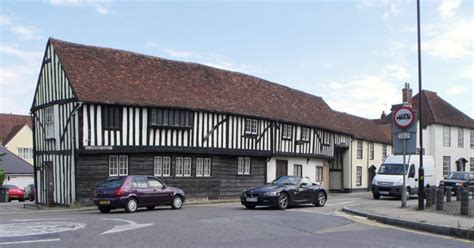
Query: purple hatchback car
[(132, 192)]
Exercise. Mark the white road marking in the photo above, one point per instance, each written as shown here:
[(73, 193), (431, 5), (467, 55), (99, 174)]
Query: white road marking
[(29, 241), (37, 228), (48, 219), (120, 228)]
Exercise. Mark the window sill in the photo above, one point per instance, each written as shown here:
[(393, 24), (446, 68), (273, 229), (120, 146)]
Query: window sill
[(168, 127), (286, 138), (249, 135)]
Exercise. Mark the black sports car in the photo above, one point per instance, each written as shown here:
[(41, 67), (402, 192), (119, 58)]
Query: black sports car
[(283, 192)]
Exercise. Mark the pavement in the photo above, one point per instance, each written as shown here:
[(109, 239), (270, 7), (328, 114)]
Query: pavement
[(385, 210)]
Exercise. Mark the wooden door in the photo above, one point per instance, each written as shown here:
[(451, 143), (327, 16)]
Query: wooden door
[(281, 168), (48, 170)]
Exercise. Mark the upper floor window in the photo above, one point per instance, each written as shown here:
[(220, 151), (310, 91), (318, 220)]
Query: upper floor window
[(49, 122), (371, 146), (250, 126), (243, 167), (472, 138), (446, 136), (460, 137), (286, 131), (111, 117), (384, 151), (172, 118), (359, 149), (25, 153), (305, 133)]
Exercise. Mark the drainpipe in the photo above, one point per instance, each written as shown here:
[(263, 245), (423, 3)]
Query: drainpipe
[(35, 169)]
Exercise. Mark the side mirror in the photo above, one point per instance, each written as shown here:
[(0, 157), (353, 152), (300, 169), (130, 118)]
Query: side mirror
[(164, 186)]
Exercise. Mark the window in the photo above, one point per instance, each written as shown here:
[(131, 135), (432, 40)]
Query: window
[(111, 117), (179, 167), (319, 173), (472, 138), (305, 134), (359, 176), (154, 183), (171, 118), (286, 131), (207, 167), (187, 167), (243, 167), (359, 149), (446, 136), (203, 167), (141, 182), (460, 137), (49, 122), (298, 170), (162, 166), (371, 146), (446, 165), (384, 151), (25, 153), (471, 165), (118, 165), (250, 126)]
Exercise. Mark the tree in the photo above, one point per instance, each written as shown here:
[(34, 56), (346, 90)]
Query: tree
[(2, 171)]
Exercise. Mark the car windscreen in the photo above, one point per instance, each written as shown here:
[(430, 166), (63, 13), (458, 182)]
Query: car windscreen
[(392, 169), (459, 176), (286, 180), (10, 187), (112, 183)]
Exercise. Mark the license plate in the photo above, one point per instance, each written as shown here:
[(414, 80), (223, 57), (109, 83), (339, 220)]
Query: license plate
[(384, 193), (104, 202), (251, 199)]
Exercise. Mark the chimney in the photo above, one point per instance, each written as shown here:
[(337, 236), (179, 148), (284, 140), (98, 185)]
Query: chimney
[(407, 94), (383, 115)]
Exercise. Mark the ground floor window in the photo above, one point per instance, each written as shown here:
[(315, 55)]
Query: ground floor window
[(179, 167), (118, 165), (446, 165), (203, 167), (319, 174), (359, 176), (298, 170), (243, 167), (471, 165), (162, 166), (187, 167)]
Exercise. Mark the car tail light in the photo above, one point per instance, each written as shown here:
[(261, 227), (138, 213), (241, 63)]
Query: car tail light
[(94, 193), (119, 192)]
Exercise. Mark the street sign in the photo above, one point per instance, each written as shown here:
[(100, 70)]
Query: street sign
[(404, 136), (404, 117)]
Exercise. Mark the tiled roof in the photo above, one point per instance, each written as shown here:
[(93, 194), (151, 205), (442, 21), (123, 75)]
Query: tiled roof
[(110, 76), (14, 164), (361, 128), (10, 124)]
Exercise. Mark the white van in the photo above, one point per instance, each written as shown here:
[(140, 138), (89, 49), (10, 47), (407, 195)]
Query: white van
[(389, 178)]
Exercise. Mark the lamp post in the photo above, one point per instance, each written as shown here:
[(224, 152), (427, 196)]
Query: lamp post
[(421, 171)]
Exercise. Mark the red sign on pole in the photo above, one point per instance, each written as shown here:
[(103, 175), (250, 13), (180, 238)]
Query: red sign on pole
[(404, 117)]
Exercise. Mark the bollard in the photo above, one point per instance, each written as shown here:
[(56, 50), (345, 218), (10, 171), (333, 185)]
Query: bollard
[(458, 193), (465, 203), (428, 194), (433, 195), (448, 194), (440, 200), (472, 191)]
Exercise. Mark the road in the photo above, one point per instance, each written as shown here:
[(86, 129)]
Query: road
[(216, 225)]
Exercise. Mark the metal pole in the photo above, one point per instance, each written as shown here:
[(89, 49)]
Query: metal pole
[(404, 186), (421, 172)]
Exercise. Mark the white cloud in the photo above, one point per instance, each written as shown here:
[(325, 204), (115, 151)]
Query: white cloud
[(467, 72), (181, 53), (13, 50), (22, 32), (5, 20), (450, 41), (97, 4), (456, 90), (448, 8)]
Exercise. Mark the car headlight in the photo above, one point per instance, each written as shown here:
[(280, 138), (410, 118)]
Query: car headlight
[(460, 184), (271, 193), (400, 182)]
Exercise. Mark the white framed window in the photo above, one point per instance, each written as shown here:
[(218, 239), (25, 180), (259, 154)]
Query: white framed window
[(359, 149), (123, 165), (446, 136), (179, 167), (207, 167), (359, 176), (113, 165), (319, 174), (166, 166), (158, 166), (25, 153), (472, 138), (49, 122), (471, 165), (298, 170), (286, 131), (446, 165), (187, 167), (384, 151), (199, 167), (251, 126), (305, 133), (371, 146), (118, 165), (243, 167), (460, 137)]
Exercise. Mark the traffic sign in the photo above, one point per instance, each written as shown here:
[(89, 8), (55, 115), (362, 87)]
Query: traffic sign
[(404, 117)]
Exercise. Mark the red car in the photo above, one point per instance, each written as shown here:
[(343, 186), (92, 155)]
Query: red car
[(15, 193)]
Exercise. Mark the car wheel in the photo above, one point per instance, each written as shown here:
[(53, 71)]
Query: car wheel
[(150, 207), (104, 210), (283, 201), (376, 196), (321, 199), (132, 205), (177, 202), (249, 206)]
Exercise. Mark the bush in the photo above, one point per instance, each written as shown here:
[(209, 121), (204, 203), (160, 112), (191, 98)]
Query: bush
[(2, 175)]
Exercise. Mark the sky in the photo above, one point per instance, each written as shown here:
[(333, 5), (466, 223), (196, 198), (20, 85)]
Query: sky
[(357, 55)]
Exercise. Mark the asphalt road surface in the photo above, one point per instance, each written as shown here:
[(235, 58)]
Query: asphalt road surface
[(217, 225)]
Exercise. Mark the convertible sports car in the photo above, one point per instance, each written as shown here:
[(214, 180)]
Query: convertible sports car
[(283, 192)]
